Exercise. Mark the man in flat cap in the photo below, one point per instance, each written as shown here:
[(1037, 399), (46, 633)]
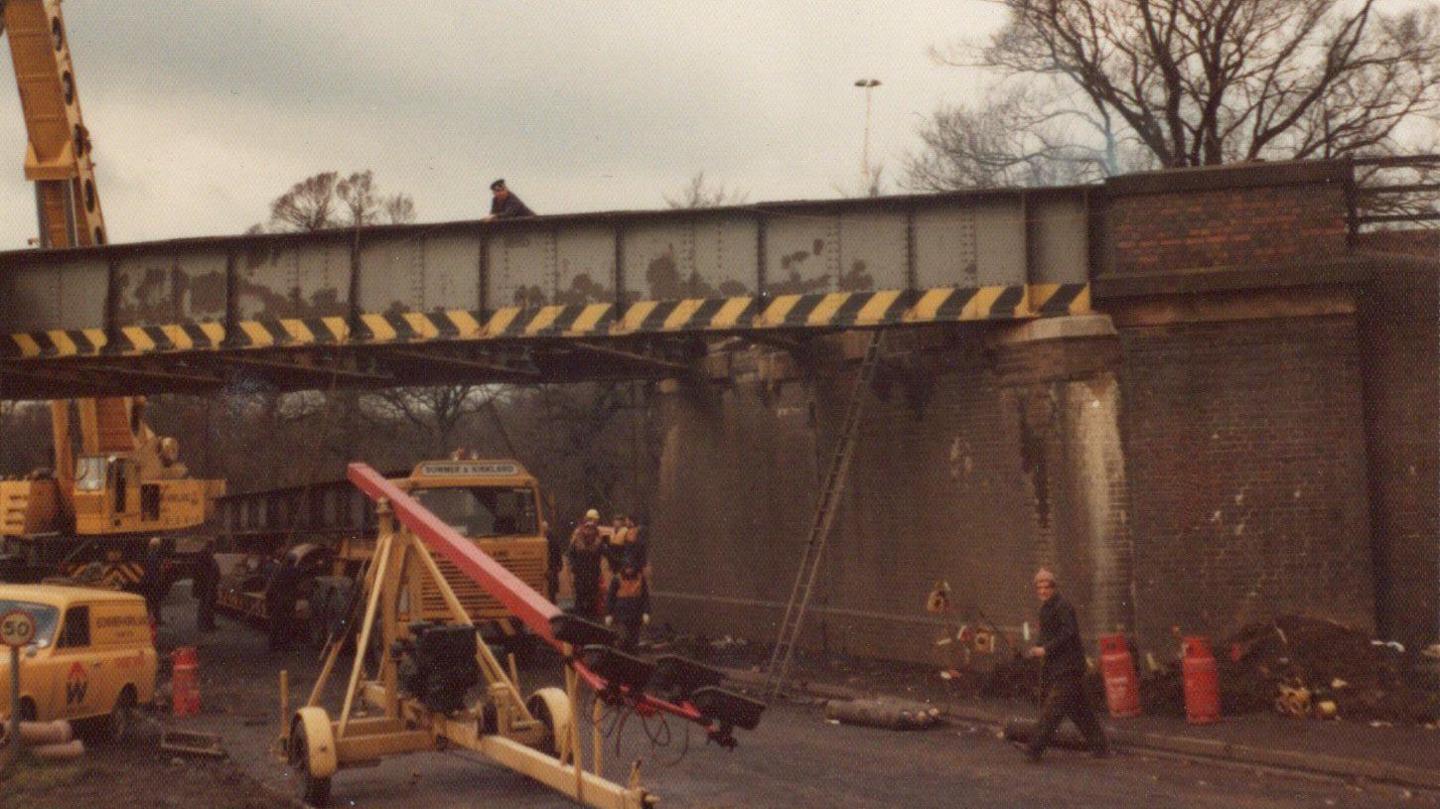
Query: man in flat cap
[(505, 205), (1062, 672)]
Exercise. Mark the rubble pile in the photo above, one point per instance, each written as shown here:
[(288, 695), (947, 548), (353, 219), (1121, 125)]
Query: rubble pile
[(1307, 667)]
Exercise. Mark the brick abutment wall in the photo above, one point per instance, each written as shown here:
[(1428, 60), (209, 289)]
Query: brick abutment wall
[(1225, 455)]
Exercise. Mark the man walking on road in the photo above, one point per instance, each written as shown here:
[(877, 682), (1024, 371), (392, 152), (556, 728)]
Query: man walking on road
[(1062, 672)]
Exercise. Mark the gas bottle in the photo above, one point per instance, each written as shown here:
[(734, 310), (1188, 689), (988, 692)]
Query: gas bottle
[(1122, 685), (1202, 681), (185, 682)]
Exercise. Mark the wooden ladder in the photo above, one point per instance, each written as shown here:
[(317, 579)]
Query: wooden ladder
[(825, 508)]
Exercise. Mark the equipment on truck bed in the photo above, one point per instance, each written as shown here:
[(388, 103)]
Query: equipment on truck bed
[(428, 667)]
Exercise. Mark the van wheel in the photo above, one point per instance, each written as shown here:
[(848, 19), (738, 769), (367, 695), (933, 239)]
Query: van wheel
[(311, 790), (122, 716)]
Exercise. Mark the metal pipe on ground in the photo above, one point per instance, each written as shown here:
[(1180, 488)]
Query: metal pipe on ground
[(42, 733), (68, 751), (891, 714)]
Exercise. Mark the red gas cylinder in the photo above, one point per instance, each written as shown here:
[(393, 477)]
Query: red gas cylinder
[(1122, 685), (1202, 681), (185, 682)]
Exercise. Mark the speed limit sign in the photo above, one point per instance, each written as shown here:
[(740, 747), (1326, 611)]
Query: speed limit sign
[(16, 628)]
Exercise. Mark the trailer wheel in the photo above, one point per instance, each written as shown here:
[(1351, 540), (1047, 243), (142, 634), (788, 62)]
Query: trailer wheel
[(552, 707), (310, 789)]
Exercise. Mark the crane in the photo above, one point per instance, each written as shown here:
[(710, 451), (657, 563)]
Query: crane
[(130, 481)]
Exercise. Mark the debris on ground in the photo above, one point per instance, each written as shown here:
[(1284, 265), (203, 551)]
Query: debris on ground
[(883, 712), (1301, 666), (188, 743)]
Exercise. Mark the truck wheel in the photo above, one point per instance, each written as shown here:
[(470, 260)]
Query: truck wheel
[(311, 790), (122, 716)]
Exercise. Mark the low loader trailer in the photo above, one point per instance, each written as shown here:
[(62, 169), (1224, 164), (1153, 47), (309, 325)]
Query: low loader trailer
[(417, 697)]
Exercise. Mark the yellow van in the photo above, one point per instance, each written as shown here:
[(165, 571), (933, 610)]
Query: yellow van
[(93, 657)]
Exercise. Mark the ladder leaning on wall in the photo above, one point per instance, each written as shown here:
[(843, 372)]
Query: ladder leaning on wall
[(825, 507)]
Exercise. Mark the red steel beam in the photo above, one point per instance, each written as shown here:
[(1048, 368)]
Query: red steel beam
[(518, 597)]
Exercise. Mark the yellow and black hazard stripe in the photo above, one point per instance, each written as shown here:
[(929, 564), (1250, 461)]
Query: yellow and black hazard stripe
[(826, 310), (118, 574)]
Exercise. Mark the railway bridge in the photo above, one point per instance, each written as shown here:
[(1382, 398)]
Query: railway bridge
[(1205, 396), (551, 298)]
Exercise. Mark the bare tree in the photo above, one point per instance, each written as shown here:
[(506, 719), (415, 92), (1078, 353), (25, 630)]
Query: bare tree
[(1190, 83), (308, 206), (327, 200), (399, 209), (433, 415), (699, 193)]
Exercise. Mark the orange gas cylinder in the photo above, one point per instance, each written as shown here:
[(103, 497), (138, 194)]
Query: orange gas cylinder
[(1202, 681), (1122, 685), (185, 682)]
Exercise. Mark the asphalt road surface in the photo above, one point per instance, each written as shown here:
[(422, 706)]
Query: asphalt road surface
[(795, 759)]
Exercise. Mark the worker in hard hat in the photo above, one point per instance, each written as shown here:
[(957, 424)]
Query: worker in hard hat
[(584, 557), (1062, 672)]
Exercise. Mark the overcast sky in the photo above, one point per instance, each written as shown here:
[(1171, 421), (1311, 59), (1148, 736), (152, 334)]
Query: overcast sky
[(203, 111)]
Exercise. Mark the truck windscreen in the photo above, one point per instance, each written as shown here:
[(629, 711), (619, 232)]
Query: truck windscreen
[(484, 511)]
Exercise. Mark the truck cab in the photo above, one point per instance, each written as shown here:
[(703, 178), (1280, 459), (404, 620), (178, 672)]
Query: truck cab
[(495, 503)]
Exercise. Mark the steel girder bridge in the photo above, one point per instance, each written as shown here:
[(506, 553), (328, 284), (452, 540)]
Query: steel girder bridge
[(621, 295)]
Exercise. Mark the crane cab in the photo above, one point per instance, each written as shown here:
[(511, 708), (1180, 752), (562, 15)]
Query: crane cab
[(116, 494)]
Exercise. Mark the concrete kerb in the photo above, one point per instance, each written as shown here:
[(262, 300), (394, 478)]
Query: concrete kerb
[(1174, 744)]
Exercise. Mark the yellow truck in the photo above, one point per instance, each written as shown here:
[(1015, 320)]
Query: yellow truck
[(93, 657), (494, 502)]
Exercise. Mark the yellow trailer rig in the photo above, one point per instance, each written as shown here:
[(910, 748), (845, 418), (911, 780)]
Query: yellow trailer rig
[(422, 693)]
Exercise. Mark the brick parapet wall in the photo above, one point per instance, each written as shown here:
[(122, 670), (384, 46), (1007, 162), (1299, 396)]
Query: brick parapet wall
[(1228, 217), (1247, 463)]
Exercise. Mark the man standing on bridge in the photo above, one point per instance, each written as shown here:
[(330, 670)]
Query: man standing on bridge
[(505, 205), (1062, 672)]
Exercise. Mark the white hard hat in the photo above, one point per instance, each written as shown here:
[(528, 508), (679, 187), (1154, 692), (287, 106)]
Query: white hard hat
[(592, 514)]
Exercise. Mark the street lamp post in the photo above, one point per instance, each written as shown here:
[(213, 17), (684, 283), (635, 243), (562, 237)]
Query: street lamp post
[(869, 85)]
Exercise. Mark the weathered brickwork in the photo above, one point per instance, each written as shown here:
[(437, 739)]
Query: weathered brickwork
[(1247, 468), (937, 491), (1399, 312), (1236, 453), (958, 475), (1226, 227)]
